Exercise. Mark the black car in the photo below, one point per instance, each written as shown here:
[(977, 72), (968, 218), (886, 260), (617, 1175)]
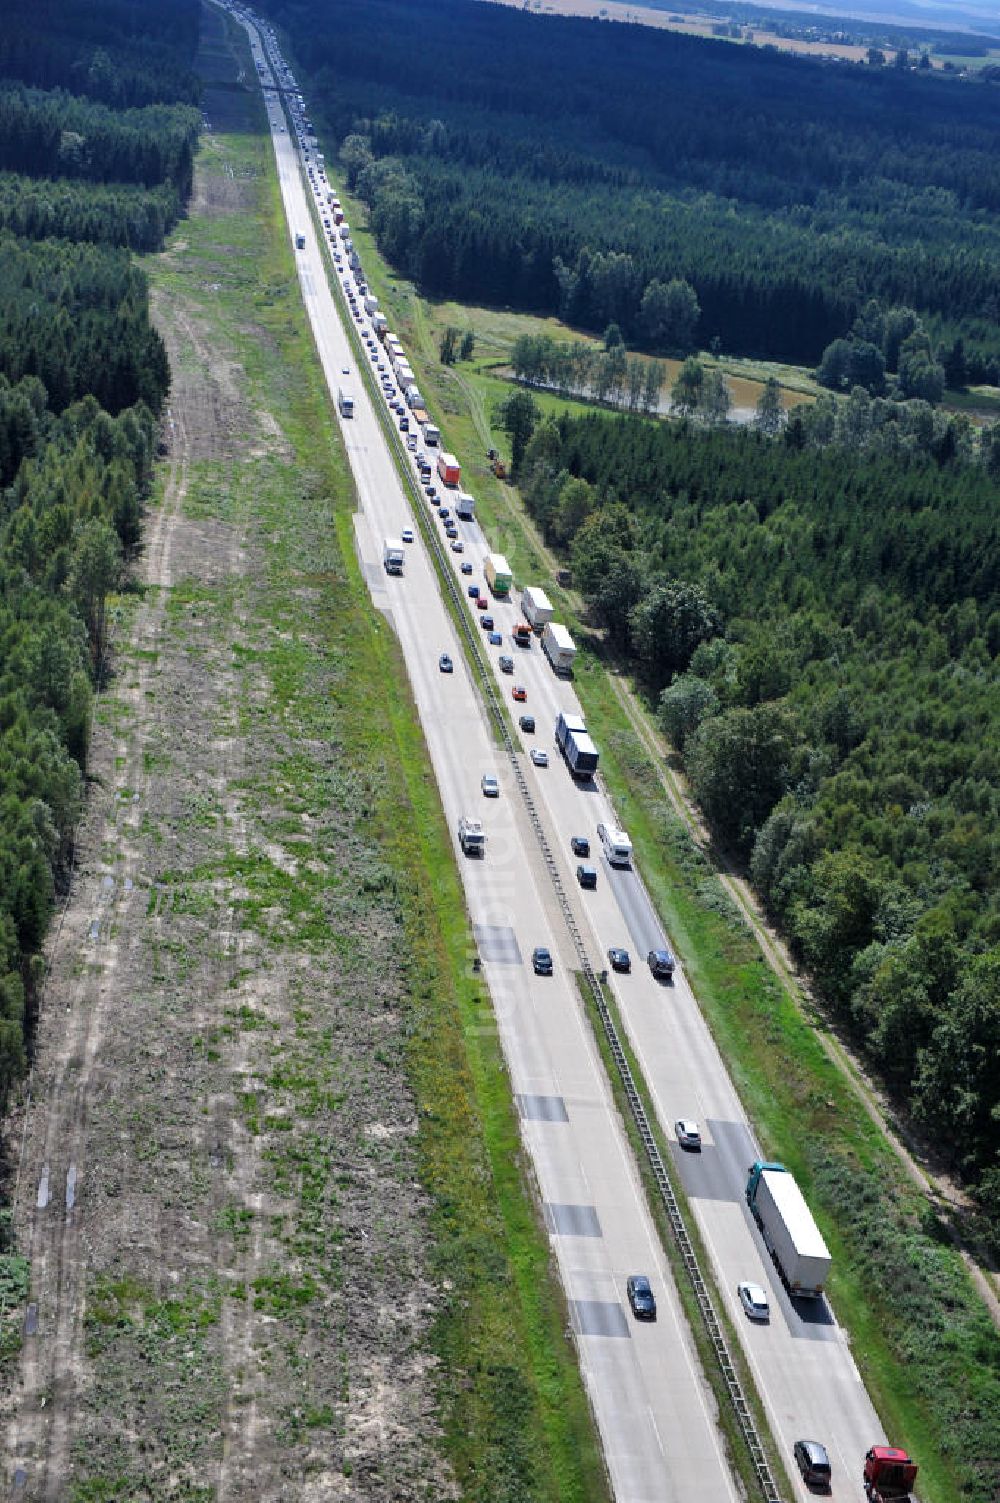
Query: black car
[(640, 1297), (586, 875), (661, 963), (813, 1462), (541, 960), (487, 623), (620, 959), (580, 845), (527, 723)]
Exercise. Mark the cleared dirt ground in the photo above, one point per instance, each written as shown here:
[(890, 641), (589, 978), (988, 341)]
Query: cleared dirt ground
[(217, 1187)]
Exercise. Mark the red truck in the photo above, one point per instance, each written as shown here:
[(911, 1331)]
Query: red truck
[(889, 1475), (449, 469)]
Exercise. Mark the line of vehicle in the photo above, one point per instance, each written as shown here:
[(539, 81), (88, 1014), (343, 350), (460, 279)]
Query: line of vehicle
[(573, 1263)]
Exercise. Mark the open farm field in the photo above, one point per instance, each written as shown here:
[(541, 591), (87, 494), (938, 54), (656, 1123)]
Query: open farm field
[(681, 21), (690, 24)]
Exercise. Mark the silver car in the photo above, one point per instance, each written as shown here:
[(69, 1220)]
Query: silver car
[(754, 1301)]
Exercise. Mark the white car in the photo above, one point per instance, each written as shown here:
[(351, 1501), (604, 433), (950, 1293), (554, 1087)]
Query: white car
[(407, 534), (539, 757), (491, 786), (754, 1301), (688, 1135)]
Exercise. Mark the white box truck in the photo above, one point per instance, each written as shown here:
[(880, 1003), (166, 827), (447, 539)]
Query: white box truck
[(465, 506), (790, 1234), (393, 555), (559, 647), (345, 401), (371, 303), (537, 607)]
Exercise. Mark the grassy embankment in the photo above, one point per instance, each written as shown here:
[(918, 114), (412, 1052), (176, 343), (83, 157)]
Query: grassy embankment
[(512, 1406), (923, 1341)]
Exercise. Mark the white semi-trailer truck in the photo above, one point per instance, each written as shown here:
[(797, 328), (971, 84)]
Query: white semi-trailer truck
[(576, 746), (790, 1234)]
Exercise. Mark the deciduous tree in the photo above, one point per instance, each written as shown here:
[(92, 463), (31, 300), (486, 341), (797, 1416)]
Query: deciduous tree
[(517, 415), (685, 394), (670, 621), (739, 763), (770, 416), (684, 704)]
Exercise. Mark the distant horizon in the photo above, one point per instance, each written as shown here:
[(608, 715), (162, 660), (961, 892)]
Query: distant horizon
[(930, 14)]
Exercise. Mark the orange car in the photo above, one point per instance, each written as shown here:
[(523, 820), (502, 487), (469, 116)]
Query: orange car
[(519, 692)]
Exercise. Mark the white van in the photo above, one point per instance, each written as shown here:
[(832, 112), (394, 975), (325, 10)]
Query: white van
[(617, 846)]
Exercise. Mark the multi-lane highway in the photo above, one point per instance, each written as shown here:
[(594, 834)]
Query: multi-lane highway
[(653, 1408), (655, 1413)]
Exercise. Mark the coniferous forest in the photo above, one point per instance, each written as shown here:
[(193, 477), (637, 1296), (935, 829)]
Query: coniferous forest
[(97, 132), (560, 166), (820, 627)]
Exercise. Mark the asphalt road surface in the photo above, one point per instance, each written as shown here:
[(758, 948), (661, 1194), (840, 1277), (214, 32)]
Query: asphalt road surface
[(654, 1411)]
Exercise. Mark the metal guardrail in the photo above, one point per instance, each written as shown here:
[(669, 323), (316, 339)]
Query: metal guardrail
[(710, 1319)]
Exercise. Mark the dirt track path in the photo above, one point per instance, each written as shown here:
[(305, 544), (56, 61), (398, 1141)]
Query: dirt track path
[(95, 942)]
